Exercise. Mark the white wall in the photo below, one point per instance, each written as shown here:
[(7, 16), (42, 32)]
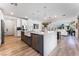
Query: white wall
[(18, 24), (66, 20), (31, 22), (58, 21), (28, 24), (12, 24)]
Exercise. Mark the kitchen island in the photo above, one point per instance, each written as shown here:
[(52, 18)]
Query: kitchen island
[(42, 42)]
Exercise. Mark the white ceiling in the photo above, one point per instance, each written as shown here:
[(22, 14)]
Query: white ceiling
[(38, 11)]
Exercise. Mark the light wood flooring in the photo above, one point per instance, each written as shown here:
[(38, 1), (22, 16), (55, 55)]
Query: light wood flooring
[(67, 46), (15, 47)]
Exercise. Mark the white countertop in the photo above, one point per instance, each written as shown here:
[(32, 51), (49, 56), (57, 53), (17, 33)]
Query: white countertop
[(63, 31), (28, 33)]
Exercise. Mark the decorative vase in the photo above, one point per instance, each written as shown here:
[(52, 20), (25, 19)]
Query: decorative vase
[(45, 30)]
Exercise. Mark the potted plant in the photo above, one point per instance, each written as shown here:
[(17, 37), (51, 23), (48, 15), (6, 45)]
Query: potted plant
[(45, 24)]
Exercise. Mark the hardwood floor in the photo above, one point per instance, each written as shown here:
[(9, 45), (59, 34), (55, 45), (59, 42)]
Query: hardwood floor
[(15, 47), (67, 46)]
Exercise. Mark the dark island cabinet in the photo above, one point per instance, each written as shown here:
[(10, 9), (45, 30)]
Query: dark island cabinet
[(37, 42), (22, 35), (26, 39)]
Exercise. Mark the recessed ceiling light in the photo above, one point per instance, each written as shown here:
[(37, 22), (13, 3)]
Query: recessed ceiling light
[(26, 17), (12, 13), (55, 16)]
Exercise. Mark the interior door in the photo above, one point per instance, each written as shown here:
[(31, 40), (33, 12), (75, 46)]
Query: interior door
[(9, 27), (2, 31)]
